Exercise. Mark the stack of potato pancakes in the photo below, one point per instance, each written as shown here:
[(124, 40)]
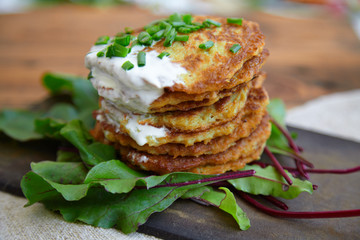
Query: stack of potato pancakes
[(210, 118)]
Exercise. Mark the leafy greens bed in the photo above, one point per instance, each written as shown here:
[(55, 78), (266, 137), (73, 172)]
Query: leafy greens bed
[(88, 183)]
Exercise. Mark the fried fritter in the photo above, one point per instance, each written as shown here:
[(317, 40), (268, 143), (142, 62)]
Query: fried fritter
[(249, 147)]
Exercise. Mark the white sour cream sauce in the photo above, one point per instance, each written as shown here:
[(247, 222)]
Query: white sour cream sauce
[(133, 90)]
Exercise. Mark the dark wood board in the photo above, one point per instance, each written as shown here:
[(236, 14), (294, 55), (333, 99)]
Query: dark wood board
[(188, 220)]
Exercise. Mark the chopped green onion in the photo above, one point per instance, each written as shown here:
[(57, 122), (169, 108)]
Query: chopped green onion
[(212, 22), (90, 75), (102, 40), (100, 54), (127, 65), (235, 48), (145, 38), (164, 24), (168, 29), (124, 40), (187, 18), (182, 38), (152, 24), (175, 18), (153, 29), (184, 30), (158, 35), (129, 30), (109, 51), (141, 59), (206, 45), (178, 24), (237, 21), (170, 37), (163, 54), (120, 50)]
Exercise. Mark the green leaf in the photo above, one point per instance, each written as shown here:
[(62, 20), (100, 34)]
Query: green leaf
[(49, 127), (223, 200), (93, 205), (67, 156), (268, 181), (91, 152), (62, 111), (277, 110), (19, 124), (84, 96)]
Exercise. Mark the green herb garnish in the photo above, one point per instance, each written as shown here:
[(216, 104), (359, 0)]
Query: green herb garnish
[(100, 54), (127, 66), (163, 54), (212, 22), (182, 38), (102, 40), (123, 40), (237, 21), (206, 45), (235, 48), (141, 59)]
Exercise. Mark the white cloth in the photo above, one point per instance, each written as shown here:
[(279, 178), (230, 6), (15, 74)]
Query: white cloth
[(36, 222), (336, 114)]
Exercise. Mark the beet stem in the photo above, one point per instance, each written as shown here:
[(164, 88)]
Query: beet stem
[(278, 166), (222, 177), (287, 214), (276, 202), (293, 145)]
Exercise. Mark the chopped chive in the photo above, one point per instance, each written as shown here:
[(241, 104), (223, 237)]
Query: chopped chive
[(167, 29), (193, 27), (124, 40), (170, 37), (182, 38), (206, 45), (129, 30), (163, 54), (187, 18), (175, 18), (158, 35), (178, 24), (109, 51), (153, 29), (100, 54), (235, 48), (120, 50), (212, 22), (127, 65), (145, 38), (237, 21), (102, 40), (152, 24), (141, 59), (184, 30), (164, 24), (90, 75)]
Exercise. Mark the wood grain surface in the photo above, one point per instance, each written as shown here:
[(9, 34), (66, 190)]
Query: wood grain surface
[(309, 57)]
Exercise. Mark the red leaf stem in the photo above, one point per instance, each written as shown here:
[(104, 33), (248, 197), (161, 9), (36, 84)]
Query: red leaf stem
[(278, 166), (276, 202), (288, 214)]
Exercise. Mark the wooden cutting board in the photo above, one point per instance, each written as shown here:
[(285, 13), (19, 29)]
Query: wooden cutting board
[(188, 220)]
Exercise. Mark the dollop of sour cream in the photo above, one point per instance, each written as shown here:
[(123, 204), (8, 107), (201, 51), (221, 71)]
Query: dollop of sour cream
[(128, 94), (138, 87)]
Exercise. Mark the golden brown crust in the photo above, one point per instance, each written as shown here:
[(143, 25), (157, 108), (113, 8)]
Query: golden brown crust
[(249, 147), (176, 100), (254, 108), (210, 70)]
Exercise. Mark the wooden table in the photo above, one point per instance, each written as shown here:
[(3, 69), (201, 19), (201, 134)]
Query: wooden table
[(309, 57)]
